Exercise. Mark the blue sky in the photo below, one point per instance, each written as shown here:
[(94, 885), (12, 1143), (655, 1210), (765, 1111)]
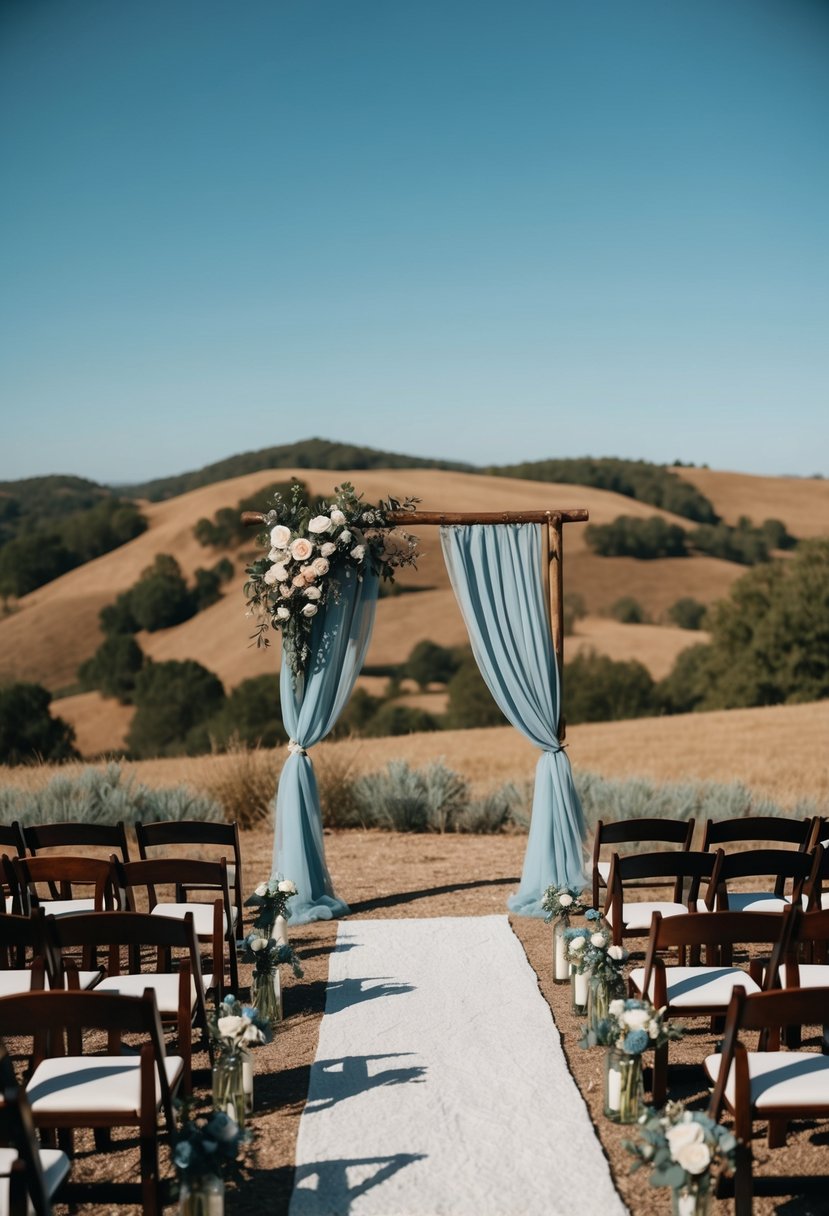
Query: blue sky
[(484, 231)]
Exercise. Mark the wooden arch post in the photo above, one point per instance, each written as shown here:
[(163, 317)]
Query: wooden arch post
[(553, 551)]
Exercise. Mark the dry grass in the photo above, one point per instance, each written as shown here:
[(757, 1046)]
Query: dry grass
[(801, 502), (779, 752)]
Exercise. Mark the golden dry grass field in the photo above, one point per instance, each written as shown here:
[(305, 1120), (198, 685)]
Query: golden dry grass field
[(56, 627)]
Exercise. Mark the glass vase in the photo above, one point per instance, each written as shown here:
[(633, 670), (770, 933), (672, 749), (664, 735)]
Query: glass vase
[(229, 1086), (561, 964), (580, 984), (266, 995), (598, 999), (279, 931), (694, 1197), (247, 1078), (202, 1196), (622, 1086)]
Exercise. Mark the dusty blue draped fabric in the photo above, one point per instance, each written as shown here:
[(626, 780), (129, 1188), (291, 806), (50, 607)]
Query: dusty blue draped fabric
[(496, 575), (310, 707)]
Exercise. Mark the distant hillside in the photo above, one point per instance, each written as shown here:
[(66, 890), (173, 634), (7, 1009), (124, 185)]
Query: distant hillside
[(306, 454), (36, 501)]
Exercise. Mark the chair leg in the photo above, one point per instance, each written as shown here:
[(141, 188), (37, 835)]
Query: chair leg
[(777, 1132), (103, 1139), (659, 1088), (150, 1197), (743, 1181)]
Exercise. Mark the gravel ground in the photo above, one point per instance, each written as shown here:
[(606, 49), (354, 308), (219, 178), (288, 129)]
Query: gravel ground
[(387, 875)]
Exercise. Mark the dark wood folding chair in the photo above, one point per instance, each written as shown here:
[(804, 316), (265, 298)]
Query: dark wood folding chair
[(221, 838), (819, 833), (145, 951), (12, 844), (213, 922), (109, 837), (702, 990), (780, 866), (68, 1089), (673, 832), (816, 888), (779, 829), (64, 874), (30, 1175), (632, 918), (768, 1084), (26, 960)]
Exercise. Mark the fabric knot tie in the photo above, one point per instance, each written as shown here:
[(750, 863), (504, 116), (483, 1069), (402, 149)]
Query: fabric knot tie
[(296, 749)]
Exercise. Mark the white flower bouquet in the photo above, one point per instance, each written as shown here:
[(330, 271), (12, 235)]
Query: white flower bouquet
[(311, 546), (271, 898), (560, 903), (681, 1148), (632, 1026), (234, 1026)]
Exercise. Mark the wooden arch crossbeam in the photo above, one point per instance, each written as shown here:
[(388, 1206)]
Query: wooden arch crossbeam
[(553, 538)]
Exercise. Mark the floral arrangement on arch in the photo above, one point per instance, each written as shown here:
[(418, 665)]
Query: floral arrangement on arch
[(632, 1026), (682, 1146), (311, 546)]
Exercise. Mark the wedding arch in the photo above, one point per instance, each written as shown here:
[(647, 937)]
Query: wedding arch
[(507, 572)]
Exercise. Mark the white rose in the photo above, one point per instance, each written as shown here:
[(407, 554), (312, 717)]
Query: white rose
[(231, 1026), (308, 574), (281, 571), (616, 1008), (653, 1029), (288, 886), (282, 613), (695, 1158), (328, 548), (258, 943), (271, 576), (681, 1135), (337, 518), (576, 945), (598, 939), (262, 889), (312, 593), (358, 552), (345, 537), (277, 555), (286, 590), (565, 900), (280, 535), (309, 610), (319, 524), (301, 549), (617, 953), (636, 1019), (320, 566), (298, 580)]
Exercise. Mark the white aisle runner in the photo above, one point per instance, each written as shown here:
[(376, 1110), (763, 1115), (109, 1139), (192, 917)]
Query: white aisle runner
[(440, 1087)]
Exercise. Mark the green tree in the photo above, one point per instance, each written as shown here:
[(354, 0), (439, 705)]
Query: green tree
[(28, 731), (599, 689), (174, 701), (114, 667), (161, 597), (470, 701), (687, 613), (630, 536), (251, 713), (428, 663), (629, 611), (574, 610), (689, 682), (396, 719), (29, 561)]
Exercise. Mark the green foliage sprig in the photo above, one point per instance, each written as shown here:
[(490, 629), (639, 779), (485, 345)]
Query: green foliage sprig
[(560, 903), (208, 1145)]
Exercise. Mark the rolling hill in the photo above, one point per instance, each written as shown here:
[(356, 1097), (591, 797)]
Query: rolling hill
[(56, 627)]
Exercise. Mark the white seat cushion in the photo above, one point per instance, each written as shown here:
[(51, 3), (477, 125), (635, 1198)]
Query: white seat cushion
[(165, 987), (53, 1162), (603, 868), (202, 916), (810, 975), (87, 1084), (756, 901), (639, 915), (16, 981), (780, 1078), (699, 986), (67, 907), (824, 899)]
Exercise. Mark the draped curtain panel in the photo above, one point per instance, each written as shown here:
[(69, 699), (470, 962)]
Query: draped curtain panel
[(495, 571), (311, 704)]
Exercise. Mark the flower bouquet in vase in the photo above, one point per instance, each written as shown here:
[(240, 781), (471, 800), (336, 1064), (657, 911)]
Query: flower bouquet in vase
[(206, 1152), (271, 901), (266, 955), (630, 1028), (604, 964), (576, 941), (559, 904), (234, 1029), (683, 1148)]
